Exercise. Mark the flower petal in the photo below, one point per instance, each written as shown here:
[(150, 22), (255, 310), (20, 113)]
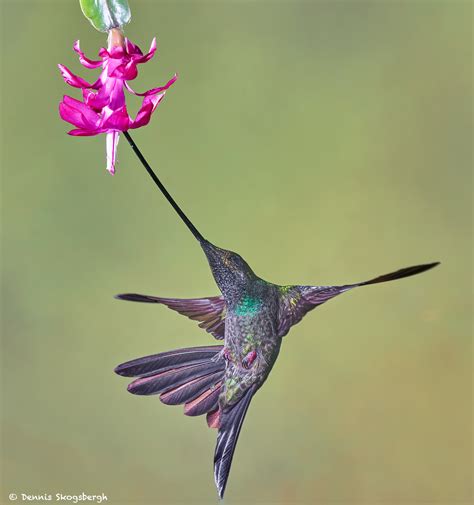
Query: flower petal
[(127, 71), (117, 52), (93, 100), (90, 115), (79, 114), (109, 93), (72, 79), (149, 55), (131, 49), (86, 62), (115, 119), (103, 109), (111, 148), (112, 64), (80, 132), (153, 91), (104, 54), (149, 105)]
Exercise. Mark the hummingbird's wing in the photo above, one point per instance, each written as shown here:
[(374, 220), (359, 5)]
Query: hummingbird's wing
[(210, 312), (296, 301)]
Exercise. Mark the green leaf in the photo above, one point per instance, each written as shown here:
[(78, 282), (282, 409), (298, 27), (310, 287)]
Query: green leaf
[(106, 14)]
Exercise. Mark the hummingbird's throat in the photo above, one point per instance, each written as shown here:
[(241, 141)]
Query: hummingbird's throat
[(248, 306)]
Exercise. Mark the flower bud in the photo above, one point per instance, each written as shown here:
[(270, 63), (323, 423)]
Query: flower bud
[(106, 14)]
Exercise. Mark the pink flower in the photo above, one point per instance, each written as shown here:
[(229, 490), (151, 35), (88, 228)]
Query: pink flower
[(103, 109)]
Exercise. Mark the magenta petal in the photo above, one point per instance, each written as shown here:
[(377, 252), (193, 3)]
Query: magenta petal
[(151, 52), (117, 96), (131, 49), (80, 132), (146, 110), (153, 91), (103, 109), (74, 116), (79, 109), (70, 115), (72, 79), (112, 65), (127, 71), (103, 53), (117, 120), (86, 62), (112, 139), (92, 99), (115, 52)]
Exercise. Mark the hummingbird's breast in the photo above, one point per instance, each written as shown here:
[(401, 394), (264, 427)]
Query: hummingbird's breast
[(251, 341)]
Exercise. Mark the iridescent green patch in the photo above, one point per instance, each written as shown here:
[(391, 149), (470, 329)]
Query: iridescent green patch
[(248, 306), (293, 298), (231, 387), (284, 289), (250, 343)]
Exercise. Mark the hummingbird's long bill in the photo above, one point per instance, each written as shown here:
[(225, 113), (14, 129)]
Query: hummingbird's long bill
[(162, 188)]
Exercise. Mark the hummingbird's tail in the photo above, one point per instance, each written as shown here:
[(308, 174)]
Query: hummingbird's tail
[(230, 423), (191, 376)]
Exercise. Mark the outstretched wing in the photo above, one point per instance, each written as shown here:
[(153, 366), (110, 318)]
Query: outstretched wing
[(210, 312), (296, 301)]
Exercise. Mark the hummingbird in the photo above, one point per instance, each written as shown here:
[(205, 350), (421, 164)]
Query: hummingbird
[(250, 316)]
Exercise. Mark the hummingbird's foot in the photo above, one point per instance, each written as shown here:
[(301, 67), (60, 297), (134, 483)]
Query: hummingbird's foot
[(249, 359), (226, 353)]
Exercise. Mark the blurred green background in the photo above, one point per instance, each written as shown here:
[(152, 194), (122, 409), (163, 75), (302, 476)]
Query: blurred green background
[(326, 142)]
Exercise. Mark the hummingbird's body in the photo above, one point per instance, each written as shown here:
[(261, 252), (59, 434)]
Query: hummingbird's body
[(251, 341), (252, 316), (251, 336)]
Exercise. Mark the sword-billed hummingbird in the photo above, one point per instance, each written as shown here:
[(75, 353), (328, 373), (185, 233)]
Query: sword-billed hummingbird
[(251, 316)]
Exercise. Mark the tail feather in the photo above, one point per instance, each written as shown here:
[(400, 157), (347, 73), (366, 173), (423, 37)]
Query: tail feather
[(230, 424)]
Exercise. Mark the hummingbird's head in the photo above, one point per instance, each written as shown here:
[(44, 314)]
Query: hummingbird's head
[(231, 272)]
